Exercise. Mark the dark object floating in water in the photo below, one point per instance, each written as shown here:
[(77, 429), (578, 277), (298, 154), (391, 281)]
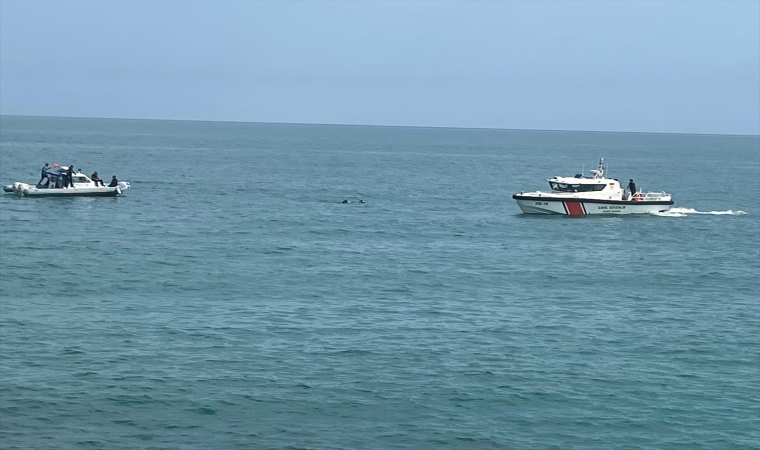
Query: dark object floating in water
[(355, 201)]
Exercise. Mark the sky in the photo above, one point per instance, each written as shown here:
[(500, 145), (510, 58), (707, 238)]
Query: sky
[(652, 66)]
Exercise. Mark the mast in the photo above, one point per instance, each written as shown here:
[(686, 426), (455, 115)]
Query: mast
[(599, 171)]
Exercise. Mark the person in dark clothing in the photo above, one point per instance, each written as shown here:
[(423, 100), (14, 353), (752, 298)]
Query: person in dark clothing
[(631, 187), (114, 182), (96, 179), (44, 173), (69, 180)]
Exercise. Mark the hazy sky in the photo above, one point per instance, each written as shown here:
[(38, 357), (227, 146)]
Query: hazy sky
[(676, 66)]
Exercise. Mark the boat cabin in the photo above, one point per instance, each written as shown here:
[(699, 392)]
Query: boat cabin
[(565, 184), (56, 175), (596, 186)]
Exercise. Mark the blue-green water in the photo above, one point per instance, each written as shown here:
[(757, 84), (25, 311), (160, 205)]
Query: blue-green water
[(230, 300)]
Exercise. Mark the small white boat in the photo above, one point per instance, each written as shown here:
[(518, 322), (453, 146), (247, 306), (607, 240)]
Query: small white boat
[(52, 186), (597, 194)]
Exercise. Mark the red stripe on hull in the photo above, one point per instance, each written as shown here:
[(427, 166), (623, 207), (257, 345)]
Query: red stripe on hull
[(574, 208)]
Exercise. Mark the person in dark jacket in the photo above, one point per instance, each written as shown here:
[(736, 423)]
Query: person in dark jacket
[(631, 186), (44, 173), (114, 182), (96, 179), (69, 181)]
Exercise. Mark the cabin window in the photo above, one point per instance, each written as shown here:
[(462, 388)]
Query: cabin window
[(588, 187), (562, 187), (80, 180), (595, 187)]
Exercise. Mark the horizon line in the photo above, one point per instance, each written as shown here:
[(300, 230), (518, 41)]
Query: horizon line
[(379, 126)]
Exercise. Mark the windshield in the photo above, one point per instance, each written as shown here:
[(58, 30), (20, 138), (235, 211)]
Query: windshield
[(564, 187)]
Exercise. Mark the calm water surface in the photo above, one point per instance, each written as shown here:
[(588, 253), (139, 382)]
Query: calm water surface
[(230, 300)]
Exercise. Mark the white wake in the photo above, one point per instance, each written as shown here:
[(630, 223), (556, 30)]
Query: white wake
[(683, 212)]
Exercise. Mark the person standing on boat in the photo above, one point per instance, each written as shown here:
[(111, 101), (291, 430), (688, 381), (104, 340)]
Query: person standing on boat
[(69, 181), (96, 179), (632, 187), (114, 182), (64, 178), (44, 173)]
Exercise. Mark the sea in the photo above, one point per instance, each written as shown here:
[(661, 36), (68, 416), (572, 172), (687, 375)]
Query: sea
[(231, 299)]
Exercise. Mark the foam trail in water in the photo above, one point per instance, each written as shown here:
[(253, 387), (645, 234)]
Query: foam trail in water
[(683, 212)]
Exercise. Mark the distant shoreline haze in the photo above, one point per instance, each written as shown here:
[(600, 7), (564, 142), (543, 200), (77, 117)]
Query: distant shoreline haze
[(373, 125)]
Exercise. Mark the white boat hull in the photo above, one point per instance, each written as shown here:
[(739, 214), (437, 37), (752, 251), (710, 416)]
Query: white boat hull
[(583, 207), (26, 190)]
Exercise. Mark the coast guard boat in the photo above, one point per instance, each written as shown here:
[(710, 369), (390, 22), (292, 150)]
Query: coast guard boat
[(52, 186), (597, 194)]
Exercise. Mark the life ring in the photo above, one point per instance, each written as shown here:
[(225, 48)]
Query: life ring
[(637, 197)]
